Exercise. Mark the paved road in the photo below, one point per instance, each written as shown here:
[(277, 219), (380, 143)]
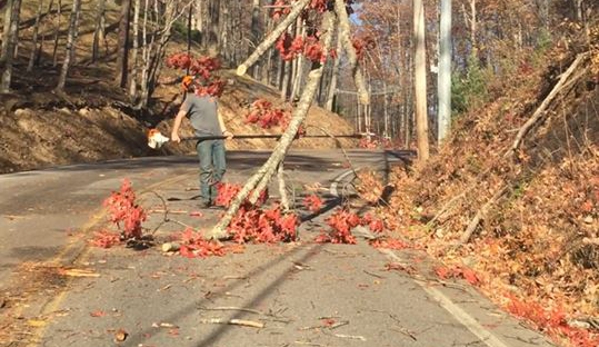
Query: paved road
[(305, 294)]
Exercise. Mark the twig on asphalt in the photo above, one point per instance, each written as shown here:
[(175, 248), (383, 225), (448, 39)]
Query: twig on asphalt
[(351, 337), (373, 274), (268, 316), (238, 322)]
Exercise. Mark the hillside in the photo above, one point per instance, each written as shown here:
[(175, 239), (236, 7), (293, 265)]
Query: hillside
[(46, 130), (93, 121), (527, 221)]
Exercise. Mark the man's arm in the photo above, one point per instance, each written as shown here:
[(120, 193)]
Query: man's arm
[(175, 132)]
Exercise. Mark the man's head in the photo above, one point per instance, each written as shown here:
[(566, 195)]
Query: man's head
[(192, 84)]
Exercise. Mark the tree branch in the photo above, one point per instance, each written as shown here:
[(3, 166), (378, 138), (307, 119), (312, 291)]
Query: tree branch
[(345, 37), (272, 37)]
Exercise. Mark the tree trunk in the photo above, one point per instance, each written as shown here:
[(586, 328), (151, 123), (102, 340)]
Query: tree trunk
[(345, 37), (258, 182), (57, 34), (256, 34), (70, 48), (32, 56), (99, 31), (6, 61), (122, 60), (334, 76), (135, 53), (6, 28), (444, 82), (145, 57), (420, 82), (286, 78)]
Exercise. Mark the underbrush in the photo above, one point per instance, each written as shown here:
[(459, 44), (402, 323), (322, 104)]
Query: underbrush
[(526, 221)]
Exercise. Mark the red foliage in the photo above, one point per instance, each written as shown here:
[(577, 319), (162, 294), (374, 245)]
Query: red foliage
[(362, 44), (368, 143), (193, 245), (226, 192), (313, 203), (202, 67), (457, 272), (341, 223), (551, 321), (313, 50), (263, 114), (390, 244), (125, 212), (279, 10), (252, 224), (105, 239)]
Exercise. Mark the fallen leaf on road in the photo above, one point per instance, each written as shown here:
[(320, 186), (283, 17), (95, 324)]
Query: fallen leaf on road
[(98, 313), (36, 323), (78, 273), (196, 214)]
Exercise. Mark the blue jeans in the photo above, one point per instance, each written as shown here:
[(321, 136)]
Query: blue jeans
[(212, 167)]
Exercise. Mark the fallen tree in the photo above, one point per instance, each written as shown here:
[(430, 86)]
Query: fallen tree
[(331, 18)]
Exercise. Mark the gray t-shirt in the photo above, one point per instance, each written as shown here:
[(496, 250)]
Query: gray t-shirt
[(203, 114)]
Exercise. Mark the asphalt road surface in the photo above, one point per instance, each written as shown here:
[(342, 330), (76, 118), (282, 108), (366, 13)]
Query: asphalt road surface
[(297, 294)]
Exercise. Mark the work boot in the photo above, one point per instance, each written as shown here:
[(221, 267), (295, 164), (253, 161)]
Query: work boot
[(205, 204)]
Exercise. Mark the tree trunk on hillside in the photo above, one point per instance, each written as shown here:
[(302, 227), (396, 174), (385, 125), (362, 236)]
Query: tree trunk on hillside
[(334, 75), (32, 55), (56, 34), (286, 78), (135, 53), (259, 181), (6, 28), (6, 61), (69, 55), (420, 82), (122, 60), (299, 66), (99, 31), (444, 82), (256, 34), (145, 56)]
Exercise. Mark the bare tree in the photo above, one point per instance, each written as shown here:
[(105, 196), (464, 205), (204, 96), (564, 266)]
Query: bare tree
[(6, 60), (70, 47), (135, 52), (99, 31), (57, 34), (34, 51), (122, 60), (6, 27)]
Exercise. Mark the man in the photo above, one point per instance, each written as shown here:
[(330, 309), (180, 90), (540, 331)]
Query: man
[(205, 119)]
